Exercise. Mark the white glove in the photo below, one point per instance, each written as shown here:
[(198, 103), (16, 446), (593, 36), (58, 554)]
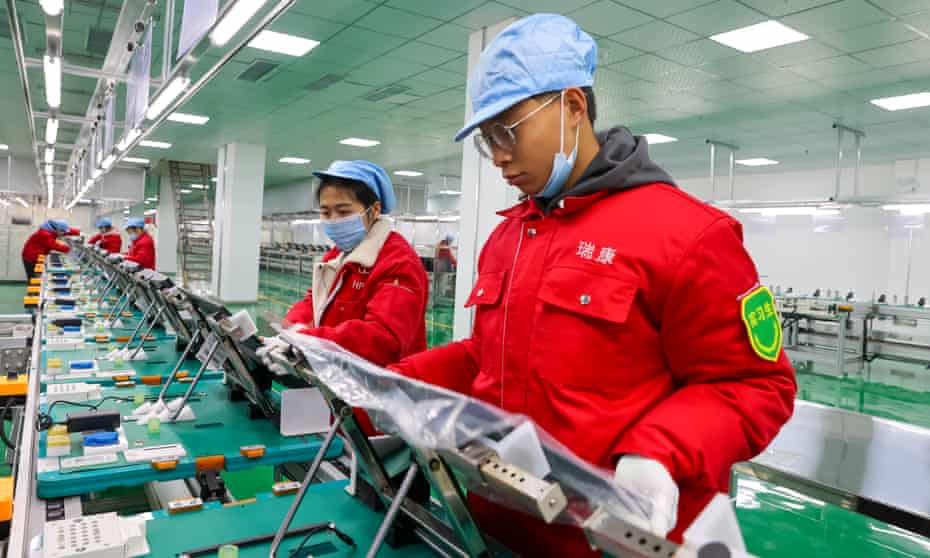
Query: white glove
[(651, 480), (269, 346)]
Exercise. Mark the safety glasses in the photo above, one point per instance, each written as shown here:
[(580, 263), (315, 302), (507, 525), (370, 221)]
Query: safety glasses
[(501, 136)]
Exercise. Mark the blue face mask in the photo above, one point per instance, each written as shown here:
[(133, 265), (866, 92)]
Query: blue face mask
[(347, 233), (133, 236), (561, 165)]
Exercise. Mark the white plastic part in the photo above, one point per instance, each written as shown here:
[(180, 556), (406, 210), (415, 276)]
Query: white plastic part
[(241, 325), (149, 453), (76, 392), (717, 523), (303, 411), (522, 448), (138, 356), (88, 460), (186, 414), (104, 535)]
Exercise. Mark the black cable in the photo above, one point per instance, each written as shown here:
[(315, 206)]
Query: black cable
[(44, 421), (3, 414), (331, 527)]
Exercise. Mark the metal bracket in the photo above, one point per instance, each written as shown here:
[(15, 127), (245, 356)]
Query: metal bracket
[(732, 149), (841, 130)]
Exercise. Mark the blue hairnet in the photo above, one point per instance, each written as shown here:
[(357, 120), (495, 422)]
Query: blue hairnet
[(537, 54), (137, 222), (368, 173), (104, 222), (56, 225)]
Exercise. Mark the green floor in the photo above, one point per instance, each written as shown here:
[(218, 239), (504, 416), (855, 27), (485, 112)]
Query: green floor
[(11, 298)]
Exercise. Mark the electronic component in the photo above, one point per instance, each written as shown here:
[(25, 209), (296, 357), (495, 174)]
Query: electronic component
[(14, 361), (88, 461), (104, 535), (93, 420), (106, 438), (151, 453), (57, 445), (185, 505), (212, 487), (77, 392), (284, 488)]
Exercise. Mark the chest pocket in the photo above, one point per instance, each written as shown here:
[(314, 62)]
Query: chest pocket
[(581, 336), (488, 290)]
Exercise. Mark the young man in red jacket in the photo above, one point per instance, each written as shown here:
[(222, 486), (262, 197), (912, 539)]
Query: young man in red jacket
[(370, 291), (142, 248), (619, 313), (108, 238), (43, 241)]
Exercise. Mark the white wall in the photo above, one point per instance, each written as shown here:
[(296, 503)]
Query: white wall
[(867, 251)]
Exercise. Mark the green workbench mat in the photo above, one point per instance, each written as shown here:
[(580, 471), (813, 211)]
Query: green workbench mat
[(778, 522), (170, 535), (236, 430)]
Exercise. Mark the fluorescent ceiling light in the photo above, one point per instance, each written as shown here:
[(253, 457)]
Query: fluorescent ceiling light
[(136, 160), (905, 209), (213, 179), (95, 174), (188, 118), (283, 43), (130, 137), (21, 201), (167, 96), (233, 20), (51, 131), (155, 144), (451, 219), (151, 199), (186, 191), (359, 142), (408, 173), (52, 7), (903, 102), (305, 222), (126, 212), (52, 66), (758, 162), (290, 161), (198, 187), (4, 203), (760, 36), (450, 193), (108, 162), (656, 139), (803, 210), (50, 194), (49, 155), (49, 169), (4, 147)]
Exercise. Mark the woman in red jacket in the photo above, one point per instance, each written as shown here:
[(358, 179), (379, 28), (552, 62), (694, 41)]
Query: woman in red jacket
[(43, 241), (619, 313), (370, 291), (108, 238), (142, 249)]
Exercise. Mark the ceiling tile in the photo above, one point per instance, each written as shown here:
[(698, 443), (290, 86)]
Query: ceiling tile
[(398, 22), (344, 11), (488, 14), (449, 36), (646, 66), (606, 18), (903, 53), (546, 6), (720, 89), (736, 66), (306, 26), (784, 7), (611, 52), (458, 65), (824, 69), (423, 53), (904, 7), (696, 53), (724, 15), (355, 45), (835, 17), (797, 53), (684, 78), (770, 79), (384, 71), (869, 37), (920, 23), (439, 10), (662, 8), (654, 36), (442, 77)]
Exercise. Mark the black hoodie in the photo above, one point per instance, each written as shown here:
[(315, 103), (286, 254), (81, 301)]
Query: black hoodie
[(622, 163)]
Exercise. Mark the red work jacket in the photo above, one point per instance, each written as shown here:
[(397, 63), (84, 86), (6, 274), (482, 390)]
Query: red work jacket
[(142, 251), (376, 311), (110, 241), (40, 243), (615, 323)]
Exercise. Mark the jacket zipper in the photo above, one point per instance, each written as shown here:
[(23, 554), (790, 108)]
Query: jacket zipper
[(513, 268)]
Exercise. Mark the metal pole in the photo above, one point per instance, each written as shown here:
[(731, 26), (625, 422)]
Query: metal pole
[(839, 160), (166, 41), (200, 371), (147, 332), (178, 364), (858, 164), (308, 480), (392, 510), (713, 171), (841, 342), (138, 327), (907, 274), (732, 175)]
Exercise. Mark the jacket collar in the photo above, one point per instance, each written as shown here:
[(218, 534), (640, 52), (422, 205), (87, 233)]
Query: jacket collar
[(529, 208), (366, 253)]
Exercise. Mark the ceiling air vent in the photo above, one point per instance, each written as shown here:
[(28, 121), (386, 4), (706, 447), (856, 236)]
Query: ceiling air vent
[(323, 82), (384, 92), (257, 70)]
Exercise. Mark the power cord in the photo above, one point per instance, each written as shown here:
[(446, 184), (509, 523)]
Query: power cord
[(331, 527), (44, 421), (3, 415)]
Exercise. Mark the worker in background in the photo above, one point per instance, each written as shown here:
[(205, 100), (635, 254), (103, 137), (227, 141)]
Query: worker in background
[(622, 315), (108, 238), (141, 246), (43, 241), (370, 291), (444, 261)]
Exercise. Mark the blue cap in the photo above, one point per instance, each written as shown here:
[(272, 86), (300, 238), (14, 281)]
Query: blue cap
[(56, 225), (368, 173), (104, 222), (537, 54), (137, 222)]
